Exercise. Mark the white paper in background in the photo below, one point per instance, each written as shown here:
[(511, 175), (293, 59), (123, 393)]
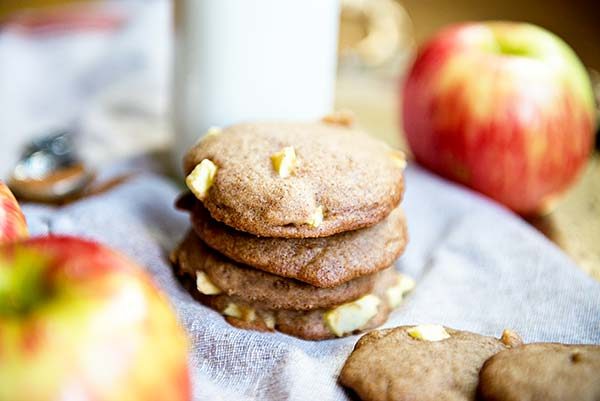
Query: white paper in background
[(478, 267), (108, 84)]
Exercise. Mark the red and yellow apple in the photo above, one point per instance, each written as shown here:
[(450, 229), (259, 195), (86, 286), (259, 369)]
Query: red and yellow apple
[(504, 108), (79, 321), (12, 221)]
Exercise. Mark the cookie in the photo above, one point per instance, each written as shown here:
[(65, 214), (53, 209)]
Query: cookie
[(295, 180), (546, 372), (271, 291), (423, 363), (322, 262), (309, 325), (368, 312)]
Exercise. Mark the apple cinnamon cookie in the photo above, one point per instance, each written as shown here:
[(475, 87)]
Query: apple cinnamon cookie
[(549, 372), (216, 275), (321, 262), (295, 180), (425, 362), (366, 312)]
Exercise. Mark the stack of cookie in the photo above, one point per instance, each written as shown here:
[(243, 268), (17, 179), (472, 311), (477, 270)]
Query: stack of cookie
[(295, 227)]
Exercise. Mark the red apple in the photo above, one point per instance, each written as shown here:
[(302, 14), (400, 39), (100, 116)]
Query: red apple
[(12, 221), (505, 108), (81, 322)]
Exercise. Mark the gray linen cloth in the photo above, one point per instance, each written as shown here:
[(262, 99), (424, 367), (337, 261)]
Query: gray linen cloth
[(478, 267)]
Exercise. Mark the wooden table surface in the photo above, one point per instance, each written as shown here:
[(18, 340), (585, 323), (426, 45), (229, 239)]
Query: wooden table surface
[(574, 225)]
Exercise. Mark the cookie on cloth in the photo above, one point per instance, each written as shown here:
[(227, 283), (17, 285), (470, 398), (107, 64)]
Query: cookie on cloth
[(322, 262), (295, 180), (364, 313), (542, 371), (213, 270), (424, 362)]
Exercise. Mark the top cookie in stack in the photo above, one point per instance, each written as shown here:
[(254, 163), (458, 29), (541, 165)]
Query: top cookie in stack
[(295, 226)]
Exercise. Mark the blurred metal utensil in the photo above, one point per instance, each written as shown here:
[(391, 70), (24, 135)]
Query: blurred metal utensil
[(50, 171)]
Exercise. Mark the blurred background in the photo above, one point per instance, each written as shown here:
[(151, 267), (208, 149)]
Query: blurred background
[(101, 67)]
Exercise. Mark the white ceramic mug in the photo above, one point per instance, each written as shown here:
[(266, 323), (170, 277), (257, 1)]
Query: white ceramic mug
[(243, 60)]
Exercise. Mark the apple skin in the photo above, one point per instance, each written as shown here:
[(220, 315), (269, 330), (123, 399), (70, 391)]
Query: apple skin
[(504, 108), (12, 222), (90, 326)]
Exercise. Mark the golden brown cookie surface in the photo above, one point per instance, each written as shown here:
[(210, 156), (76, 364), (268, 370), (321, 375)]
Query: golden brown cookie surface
[(322, 262), (549, 372), (315, 324), (297, 180), (391, 365), (271, 291)]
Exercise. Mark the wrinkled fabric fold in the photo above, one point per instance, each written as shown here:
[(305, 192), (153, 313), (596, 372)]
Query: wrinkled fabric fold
[(478, 267)]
